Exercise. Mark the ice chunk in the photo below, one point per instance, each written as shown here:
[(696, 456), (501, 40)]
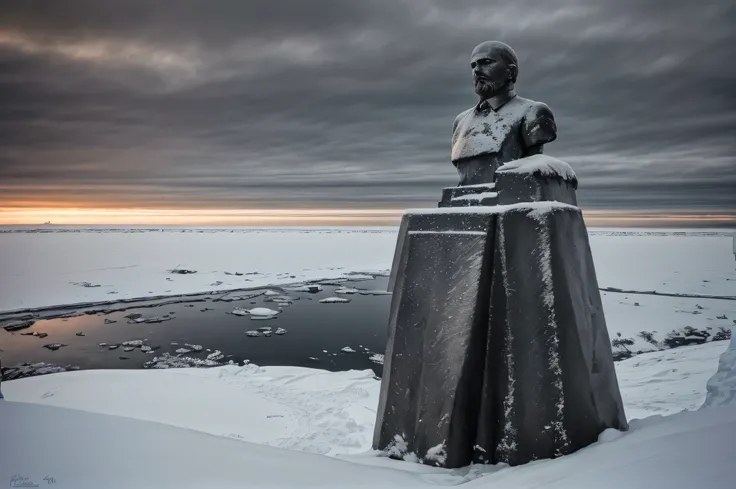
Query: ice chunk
[(146, 348), (334, 300), (280, 331), (169, 361), (182, 351), (346, 290), (215, 355), (196, 348), (18, 325), (376, 358), (252, 333), (347, 349), (256, 312), (311, 288), (133, 343)]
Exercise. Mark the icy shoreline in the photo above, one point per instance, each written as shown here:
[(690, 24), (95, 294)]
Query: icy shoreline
[(65, 310)]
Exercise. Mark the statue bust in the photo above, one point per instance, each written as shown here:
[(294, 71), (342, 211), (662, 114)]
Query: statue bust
[(502, 127)]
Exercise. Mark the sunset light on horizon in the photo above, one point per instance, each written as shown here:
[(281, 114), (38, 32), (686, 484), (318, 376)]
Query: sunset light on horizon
[(80, 216)]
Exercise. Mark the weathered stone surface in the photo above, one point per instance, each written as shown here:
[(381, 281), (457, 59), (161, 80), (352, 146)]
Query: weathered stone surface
[(469, 195), (436, 338), (549, 384), (497, 348)]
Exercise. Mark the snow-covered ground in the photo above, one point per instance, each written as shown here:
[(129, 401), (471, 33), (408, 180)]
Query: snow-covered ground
[(154, 429), (313, 410), (66, 266)]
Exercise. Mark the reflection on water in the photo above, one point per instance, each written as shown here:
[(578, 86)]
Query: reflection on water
[(316, 333)]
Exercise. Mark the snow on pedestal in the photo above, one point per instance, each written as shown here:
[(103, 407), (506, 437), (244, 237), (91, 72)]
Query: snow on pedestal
[(722, 386)]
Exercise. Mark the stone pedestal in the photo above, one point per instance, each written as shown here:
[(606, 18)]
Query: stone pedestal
[(497, 349)]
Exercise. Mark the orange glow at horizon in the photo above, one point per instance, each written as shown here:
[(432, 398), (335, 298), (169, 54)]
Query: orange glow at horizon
[(323, 216)]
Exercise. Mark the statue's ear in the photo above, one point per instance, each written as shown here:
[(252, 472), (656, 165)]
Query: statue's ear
[(513, 73)]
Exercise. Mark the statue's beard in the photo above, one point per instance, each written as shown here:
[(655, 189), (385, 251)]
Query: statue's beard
[(486, 88)]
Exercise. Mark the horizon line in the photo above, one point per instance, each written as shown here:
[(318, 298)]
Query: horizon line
[(292, 217)]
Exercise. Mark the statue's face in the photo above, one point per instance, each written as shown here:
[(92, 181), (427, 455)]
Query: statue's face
[(491, 74)]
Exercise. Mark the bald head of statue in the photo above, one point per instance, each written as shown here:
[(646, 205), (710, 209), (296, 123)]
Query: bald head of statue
[(495, 68)]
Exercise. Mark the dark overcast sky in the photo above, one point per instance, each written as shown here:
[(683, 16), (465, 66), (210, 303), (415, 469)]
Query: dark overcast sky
[(349, 104)]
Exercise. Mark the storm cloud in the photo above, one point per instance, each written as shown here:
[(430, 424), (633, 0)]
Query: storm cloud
[(349, 104)]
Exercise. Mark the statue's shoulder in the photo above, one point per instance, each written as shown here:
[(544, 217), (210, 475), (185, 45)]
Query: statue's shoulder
[(532, 109), (538, 125), (462, 115)]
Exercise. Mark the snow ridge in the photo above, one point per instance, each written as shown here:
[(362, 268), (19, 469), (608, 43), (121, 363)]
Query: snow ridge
[(544, 253), (721, 387)]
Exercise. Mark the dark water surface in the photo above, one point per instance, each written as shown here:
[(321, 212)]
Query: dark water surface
[(316, 332)]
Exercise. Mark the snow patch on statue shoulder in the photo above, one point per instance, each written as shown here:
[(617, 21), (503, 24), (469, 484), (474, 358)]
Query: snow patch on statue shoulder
[(540, 164)]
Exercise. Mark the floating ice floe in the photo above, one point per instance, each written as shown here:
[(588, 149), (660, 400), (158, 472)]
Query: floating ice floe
[(18, 325), (215, 356), (133, 343), (102, 344), (376, 358), (280, 331), (155, 319), (347, 349), (146, 348), (271, 293), (196, 348), (334, 300), (311, 288), (252, 334), (256, 312), (37, 334), (346, 290), (375, 292), (182, 351), (113, 347), (359, 276), (54, 346), (128, 348)]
